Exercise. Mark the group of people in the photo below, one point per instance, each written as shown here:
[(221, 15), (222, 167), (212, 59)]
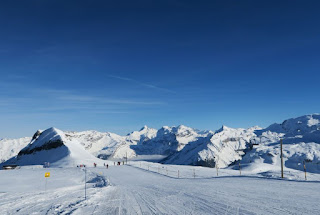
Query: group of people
[(104, 164)]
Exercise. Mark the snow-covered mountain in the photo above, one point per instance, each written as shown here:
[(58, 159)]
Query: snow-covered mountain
[(11, 147), (182, 145), (52, 146), (223, 147), (100, 144), (301, 142), (127, 148)]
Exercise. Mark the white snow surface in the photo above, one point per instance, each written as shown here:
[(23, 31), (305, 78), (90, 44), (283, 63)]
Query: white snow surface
[(11, 147), (131, 189)]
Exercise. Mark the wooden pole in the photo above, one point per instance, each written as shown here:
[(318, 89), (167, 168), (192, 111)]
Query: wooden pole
[(305, 170), (281, 155)]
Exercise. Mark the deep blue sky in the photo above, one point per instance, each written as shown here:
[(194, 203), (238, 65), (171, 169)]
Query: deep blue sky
[(118, 65)]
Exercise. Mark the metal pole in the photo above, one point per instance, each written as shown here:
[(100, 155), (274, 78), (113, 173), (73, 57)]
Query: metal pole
[(281, 155), (194, 173), (305, 170), (85, 183), (240, 167), (178, 174), (167, 170)]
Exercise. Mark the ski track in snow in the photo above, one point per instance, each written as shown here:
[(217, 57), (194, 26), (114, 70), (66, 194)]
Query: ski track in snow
[(132, 190)]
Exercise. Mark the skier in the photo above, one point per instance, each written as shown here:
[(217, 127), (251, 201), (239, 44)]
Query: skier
[(107, 166)]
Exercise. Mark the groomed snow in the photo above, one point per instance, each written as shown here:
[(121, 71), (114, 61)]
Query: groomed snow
[(131, 189)]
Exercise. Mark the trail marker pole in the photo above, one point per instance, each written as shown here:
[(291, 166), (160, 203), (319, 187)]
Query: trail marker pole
[(158, 169), (126, 157), (148, 167), (240, 167), (281, 155), (85, 183), (216, 163), (178, 174), (305, 170), (46, 175), (167, 170), (45, 186), (194, 173)]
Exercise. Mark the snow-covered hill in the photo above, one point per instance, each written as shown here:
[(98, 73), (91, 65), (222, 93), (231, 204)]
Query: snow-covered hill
[(52, 146), (11, 147)]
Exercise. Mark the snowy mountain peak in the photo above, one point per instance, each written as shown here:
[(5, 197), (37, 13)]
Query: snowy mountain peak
[(48, 139), (223, 128), (53, 146), (297, 126), (144, 128)]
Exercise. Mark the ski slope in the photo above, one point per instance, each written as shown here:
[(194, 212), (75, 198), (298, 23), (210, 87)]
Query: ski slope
[(133, 190)]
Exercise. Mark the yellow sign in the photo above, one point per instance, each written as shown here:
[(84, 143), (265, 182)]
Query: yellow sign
[(47, 174)]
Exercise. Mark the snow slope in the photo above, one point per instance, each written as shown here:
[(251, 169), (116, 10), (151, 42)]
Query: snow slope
[(11, 147), (100, 144), (52, 146), (131, 190)]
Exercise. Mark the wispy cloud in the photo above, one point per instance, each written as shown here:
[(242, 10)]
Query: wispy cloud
[(142, 84)]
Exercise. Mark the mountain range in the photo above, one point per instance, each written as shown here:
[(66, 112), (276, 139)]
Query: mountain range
[(179, 145)]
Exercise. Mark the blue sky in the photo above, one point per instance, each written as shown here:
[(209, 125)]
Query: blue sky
[(116, 66)]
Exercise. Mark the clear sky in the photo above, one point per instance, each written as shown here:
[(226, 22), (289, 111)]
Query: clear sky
[(118, 65)]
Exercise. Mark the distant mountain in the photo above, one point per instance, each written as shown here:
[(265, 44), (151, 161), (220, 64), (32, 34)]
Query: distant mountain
[(133, 141), (180, 145), (11, 147), (223, 147), (52, 146), (301, 142), (101, 145)]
